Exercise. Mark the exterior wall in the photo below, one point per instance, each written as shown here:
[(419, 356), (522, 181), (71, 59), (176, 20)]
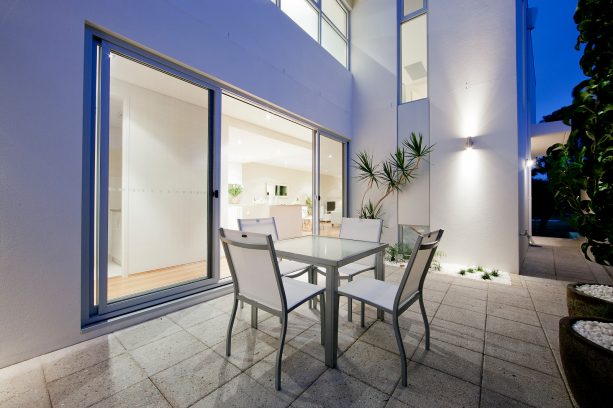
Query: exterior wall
[(473, 92), (248, 43), (373, 64)]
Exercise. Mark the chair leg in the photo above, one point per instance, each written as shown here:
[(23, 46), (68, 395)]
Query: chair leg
[(350, 305), (322, 317), (229, 334), (254, 317), (403, 357), (362, 313), (310, 275), (425, 317), (280, 353)]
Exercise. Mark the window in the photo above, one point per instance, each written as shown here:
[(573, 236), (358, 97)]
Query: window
[(413, 75), (326, 21)]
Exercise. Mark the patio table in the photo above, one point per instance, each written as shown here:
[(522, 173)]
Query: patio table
[(331, 253)]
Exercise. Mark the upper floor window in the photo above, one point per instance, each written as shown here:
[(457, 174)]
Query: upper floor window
[(413, 51), (326, 21)]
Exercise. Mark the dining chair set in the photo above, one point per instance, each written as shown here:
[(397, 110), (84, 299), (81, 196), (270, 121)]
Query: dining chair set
[(266, 281)]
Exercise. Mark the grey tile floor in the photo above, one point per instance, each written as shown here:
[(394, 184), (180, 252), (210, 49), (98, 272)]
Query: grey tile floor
[(492, 345)]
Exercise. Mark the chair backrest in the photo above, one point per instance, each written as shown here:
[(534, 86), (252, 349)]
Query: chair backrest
[(418, 266), (259, 225), (362, 230), (254, 268)]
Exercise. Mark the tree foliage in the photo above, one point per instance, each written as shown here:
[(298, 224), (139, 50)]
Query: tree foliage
[(389, 176), (580, 171)]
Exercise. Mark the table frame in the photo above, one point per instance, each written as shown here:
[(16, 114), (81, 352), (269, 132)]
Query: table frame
[(332, 283)]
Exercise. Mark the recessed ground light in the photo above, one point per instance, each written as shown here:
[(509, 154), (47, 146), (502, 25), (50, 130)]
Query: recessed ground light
[(329, 156)]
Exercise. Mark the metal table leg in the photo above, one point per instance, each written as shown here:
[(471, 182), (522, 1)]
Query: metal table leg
[(380, 275), (331, 330)]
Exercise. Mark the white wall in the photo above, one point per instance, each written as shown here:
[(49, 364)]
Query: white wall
[(248, 43), (165, 166), (373, 63), (473, 92), (258, 177)]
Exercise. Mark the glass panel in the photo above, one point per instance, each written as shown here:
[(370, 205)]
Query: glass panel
[(330, 186), (303, 14), (414, 59), (333, 43), (411, 6), (157, 172), (325, 248), (266, 170), (336, 14)]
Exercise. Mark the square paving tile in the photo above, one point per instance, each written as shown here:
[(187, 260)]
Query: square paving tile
[(296, 324), (468, 292), (519, 352), (516, 314), (373, 365), (195, 314), (192, 379), (145, 333), (457, 334), (75, 358), (140, 395), (298, 371), (335, 389), (428, 387), (461, 316), (382, 335), (491, 399), (524, 384), (23, 385), (457, 361), (243, 391), (549, 321), (511, 300), (168, 351), (516, 330), (248, 347), (95, 383), (213, 332), (464, 302)]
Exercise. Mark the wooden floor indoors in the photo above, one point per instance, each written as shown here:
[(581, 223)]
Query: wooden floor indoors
[(137, 283)]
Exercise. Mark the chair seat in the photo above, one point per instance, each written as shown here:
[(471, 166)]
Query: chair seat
[(375, 292), (350, 270), (287, 267), (297, 292)]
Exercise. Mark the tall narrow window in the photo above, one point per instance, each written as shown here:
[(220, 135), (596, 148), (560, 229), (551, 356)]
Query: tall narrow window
[(414, 59), (411, 6), (331, 176), (304, 14)]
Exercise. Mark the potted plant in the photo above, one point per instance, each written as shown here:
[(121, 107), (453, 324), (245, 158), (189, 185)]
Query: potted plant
[(588, 365), (580, 171), (586, 299), (235, 190)]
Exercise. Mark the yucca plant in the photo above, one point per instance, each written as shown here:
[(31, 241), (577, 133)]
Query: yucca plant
[(391, 175)]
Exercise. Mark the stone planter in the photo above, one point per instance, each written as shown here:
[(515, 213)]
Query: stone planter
[(587, 365), (582, 304)]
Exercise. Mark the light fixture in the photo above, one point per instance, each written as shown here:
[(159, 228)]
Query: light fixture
[(469, 143), (268, 116), (329, 156), (529, 163)]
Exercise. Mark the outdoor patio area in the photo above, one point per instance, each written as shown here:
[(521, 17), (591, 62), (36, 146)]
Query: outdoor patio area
[(493, 345)]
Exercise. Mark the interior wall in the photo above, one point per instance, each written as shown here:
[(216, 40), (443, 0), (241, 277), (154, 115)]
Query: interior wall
[(248, 43), (165, 167), (473, 92), (258, 179), (373, 63)]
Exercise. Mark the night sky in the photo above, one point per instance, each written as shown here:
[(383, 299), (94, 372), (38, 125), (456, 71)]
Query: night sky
[(555, 58)]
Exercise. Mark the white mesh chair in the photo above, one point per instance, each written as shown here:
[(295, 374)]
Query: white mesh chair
[(360, 230), (257, 280), (269, 227), (395, 299)]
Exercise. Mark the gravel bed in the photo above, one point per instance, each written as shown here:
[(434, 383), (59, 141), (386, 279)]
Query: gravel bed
[(599, 332), (603, 292)]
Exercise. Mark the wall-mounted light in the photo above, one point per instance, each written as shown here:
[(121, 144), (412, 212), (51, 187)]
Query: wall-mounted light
[(469, 143), (529, 163)]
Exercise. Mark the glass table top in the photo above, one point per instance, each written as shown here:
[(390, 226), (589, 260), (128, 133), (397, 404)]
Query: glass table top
[(326, 250)]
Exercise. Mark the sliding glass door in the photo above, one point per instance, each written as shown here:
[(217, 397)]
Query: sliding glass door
[(153, 212), (167, 160)]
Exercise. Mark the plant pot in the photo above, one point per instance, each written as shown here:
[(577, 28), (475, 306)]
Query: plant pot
[(235, 199), (582, 304), (587, 365)]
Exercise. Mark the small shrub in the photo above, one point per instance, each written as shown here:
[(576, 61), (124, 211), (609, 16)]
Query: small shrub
[(495, 273), (462, 272), (486, 276)]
